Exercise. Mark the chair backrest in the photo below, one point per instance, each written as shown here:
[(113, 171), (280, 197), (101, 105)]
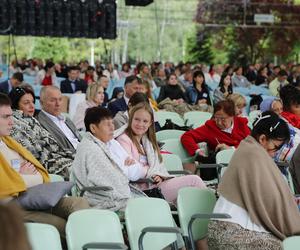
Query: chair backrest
[(172, 162), (252, 116), (196, 118), (169, 134), (291, 243), (224, 156), (43, 236), (148, 212), (162, 116), (93, 225), (174, 146), (56, 177), (191, 201)]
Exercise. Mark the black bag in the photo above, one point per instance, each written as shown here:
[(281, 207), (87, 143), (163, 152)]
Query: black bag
[(208, 174), (171, 125), (154, 193)]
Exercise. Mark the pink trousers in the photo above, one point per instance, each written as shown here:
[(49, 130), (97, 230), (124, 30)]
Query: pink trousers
[(170, 187)]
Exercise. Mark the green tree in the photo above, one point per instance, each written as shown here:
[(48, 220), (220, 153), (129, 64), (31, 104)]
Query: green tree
[(51, 48), (199, 48)]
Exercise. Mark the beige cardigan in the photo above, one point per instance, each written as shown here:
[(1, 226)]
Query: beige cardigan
[(254, 182)]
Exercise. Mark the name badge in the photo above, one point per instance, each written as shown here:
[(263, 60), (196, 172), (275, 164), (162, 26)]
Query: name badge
[(16, 164), (204, 95)]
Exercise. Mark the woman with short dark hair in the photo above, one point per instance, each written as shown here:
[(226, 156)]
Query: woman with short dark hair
[(254, 193), (222, 131), (101, 161)]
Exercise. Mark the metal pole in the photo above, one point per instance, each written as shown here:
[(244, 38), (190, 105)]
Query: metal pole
[(157, 32)]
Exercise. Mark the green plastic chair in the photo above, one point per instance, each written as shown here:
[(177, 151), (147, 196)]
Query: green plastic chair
[(223, 158), (162, 116), (173, 164), (169, 134), (252, 116), (94, 228), (195, 207), (56, 178), (43, 236), (174, 146), (149, 224), (196, 118), (291, 243)]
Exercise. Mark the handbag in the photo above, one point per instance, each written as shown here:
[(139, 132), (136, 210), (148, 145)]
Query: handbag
[(154, 193), (171, 125)]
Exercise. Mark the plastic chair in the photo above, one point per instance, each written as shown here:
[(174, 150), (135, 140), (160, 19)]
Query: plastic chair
[(174, 146), (43, 236), (195, 207), (173, 164), (196, 118), (291, 243), (223, 158), (94, 228), (162, 116), (149, 224), (169, 134), (56, 178), (252, 116)]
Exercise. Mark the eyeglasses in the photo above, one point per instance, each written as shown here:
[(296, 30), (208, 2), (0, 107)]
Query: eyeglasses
[(222, 119), (275, 147)]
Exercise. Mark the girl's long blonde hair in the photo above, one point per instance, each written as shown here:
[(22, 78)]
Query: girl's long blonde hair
[(150, 133)]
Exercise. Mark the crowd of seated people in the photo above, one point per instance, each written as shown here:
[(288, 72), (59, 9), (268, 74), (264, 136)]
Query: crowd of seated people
[(51, 142)]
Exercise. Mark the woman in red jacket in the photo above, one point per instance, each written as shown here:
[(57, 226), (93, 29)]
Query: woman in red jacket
[(290, 96), (222, 131)]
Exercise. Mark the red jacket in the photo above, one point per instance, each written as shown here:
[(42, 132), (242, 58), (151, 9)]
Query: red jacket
[(211, 134), (292, 119)]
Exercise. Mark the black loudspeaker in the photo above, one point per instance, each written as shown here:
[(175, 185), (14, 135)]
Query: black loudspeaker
[(59, 18), (138, 2)]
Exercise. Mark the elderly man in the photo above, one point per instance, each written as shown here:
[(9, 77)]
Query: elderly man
[(19, 170), (51, 118)]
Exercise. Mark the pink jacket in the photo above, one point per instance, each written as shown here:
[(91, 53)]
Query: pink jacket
[(128, 145)]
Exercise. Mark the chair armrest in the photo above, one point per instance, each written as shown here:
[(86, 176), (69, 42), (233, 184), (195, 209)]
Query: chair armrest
[(145, 230), (95, 188), (204, 216), (208, 165), (210, 216), (182, 172), (104, 245)]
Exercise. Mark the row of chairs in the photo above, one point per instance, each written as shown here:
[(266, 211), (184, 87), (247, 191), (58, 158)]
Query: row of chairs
[(148, 221)]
